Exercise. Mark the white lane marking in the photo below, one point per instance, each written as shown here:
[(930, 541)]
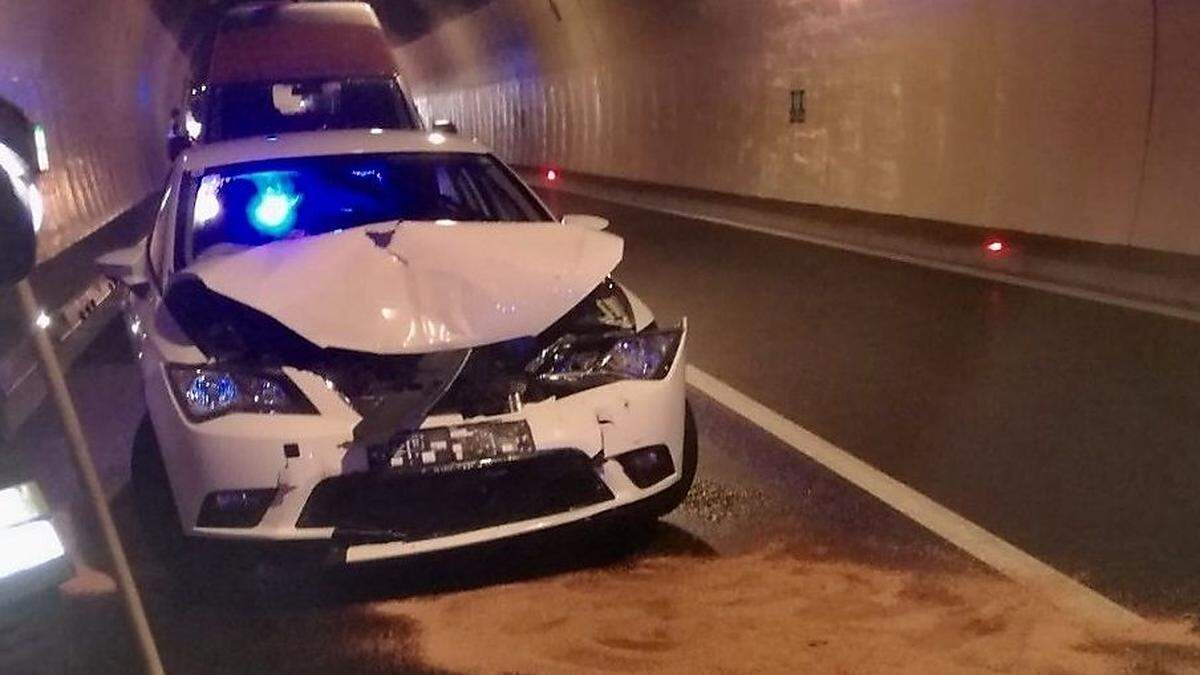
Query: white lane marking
[(1060, 589), (1149, 306)]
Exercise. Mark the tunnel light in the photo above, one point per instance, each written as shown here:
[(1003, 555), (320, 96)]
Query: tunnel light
[(42, 321), (28, 546), (551, 175), (20, 504), (43, 153), (376, 131)]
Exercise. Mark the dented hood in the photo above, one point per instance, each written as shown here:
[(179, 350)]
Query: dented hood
[(416, 287)]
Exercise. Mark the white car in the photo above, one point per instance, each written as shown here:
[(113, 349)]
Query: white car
[(384, 341)]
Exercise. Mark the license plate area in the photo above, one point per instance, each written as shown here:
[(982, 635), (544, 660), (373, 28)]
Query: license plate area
[(461, 446)]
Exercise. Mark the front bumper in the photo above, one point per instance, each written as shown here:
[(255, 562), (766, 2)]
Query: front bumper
[(325, 490)]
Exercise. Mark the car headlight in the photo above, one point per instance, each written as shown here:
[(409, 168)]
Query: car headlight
[(205, 392), (575, 362)]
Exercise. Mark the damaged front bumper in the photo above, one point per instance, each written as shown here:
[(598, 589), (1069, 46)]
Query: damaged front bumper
[(456, 482)]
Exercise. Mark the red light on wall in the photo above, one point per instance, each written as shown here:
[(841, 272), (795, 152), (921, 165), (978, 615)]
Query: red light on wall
[(551, 175), (995, 246)]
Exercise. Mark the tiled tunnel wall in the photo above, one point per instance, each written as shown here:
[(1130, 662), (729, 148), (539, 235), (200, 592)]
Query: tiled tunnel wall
[(1069, 118), (101, 76), (1074, 119)]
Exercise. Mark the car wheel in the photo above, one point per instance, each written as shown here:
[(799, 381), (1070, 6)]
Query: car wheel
[(668, 500), (152, 497)]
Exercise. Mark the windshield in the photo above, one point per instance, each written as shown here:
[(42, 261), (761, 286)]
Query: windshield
[(256, 203), (260, 109)]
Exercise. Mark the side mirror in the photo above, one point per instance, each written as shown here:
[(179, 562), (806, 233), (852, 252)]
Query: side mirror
[(445, 126), (588, 222), (126, 265)]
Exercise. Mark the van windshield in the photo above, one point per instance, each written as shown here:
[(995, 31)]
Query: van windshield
[(262, 108)]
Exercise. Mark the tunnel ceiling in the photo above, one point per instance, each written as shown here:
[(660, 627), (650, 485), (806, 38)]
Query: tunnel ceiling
[(410, 19), (406, 19), (194, 21)]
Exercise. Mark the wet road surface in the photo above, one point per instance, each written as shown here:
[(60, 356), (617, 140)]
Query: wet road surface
[(1069, 428)]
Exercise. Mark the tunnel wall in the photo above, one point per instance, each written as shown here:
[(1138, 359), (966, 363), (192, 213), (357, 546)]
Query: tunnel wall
[(1074, 119), (102, 78)]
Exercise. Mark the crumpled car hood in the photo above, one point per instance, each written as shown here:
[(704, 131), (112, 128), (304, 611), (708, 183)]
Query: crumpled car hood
[(417, 287)]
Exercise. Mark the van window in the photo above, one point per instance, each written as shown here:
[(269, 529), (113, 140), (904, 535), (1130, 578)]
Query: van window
[(241, 110)]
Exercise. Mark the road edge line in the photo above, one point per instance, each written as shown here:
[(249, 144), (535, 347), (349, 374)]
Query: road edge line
[(1076, 292), (1010, 561)]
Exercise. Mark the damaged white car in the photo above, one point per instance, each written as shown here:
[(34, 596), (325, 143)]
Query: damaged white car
[(383, 340)]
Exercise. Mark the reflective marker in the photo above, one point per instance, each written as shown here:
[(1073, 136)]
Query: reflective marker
[(37, 207), (43, 154)]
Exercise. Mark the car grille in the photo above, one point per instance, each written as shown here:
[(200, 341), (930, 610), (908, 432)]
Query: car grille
[(407, 506)]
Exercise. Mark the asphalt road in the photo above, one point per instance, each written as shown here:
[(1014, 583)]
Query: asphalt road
[(1069, 428)]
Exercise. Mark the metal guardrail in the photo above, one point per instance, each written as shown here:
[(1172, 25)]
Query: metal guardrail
[(72, 328)]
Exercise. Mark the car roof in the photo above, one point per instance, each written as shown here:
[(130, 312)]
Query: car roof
[(318, 143), (278, 42)]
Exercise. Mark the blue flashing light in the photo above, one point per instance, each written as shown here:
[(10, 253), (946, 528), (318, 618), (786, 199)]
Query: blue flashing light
[(273, 210)]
